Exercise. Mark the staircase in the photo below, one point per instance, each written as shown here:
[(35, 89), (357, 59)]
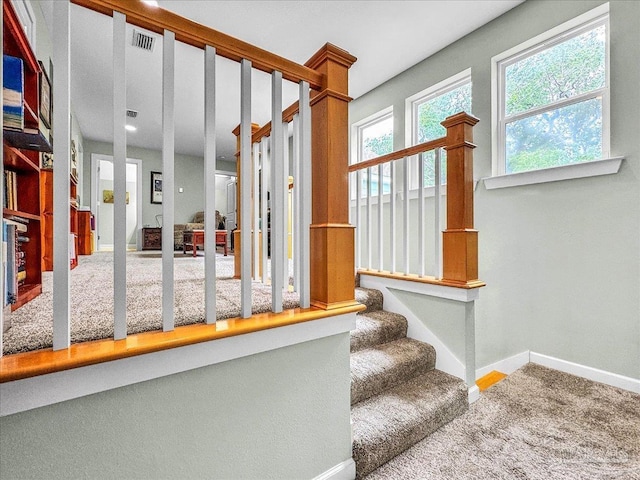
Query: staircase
[(397, 395)]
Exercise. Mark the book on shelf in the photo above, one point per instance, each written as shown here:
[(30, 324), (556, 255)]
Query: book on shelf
[(11, 278), (10, 200), (17, 219), (14, 259), (28, 139), (72, 248), (12, 92)]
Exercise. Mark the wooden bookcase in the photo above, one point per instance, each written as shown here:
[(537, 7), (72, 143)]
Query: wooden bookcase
[(25, 162), (85, 232), (46, 194)]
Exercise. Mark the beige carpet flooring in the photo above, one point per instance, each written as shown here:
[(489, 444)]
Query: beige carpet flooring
[(537, 424), (92, 299)]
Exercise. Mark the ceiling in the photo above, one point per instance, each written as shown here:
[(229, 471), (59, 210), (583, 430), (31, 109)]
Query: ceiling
[(387, 37)]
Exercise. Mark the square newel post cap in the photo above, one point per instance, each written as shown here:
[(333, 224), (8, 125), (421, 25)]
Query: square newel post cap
[(459, 130), (458, 118), (334, 63)]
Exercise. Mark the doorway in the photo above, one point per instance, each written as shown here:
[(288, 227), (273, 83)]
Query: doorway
[(102, 176)]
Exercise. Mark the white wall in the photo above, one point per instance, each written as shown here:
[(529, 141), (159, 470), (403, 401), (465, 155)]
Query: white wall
[(560, 259)]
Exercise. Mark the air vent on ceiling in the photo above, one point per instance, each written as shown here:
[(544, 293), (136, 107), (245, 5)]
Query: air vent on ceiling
[(143, 41), (132, 113)]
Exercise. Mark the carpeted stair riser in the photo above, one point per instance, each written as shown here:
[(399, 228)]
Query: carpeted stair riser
[(374, 328), (377, 369), (369, 297), (387, 424)]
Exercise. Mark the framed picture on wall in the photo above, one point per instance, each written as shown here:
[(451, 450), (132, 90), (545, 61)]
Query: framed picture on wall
[(156, 187), (45, 97)]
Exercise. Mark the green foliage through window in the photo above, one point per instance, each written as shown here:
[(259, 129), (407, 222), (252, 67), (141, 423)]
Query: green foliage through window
[(429, 115), (563, 86), (376, 139)]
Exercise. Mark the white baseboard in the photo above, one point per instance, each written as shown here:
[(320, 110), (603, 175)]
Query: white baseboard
[(473, 394), (511, 364), (343, 471), (506, 365), (590, 373)]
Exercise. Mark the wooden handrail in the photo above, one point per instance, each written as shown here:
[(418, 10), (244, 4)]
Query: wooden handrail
[(287, 116), (40, 362), (157, 20), (405, 152)]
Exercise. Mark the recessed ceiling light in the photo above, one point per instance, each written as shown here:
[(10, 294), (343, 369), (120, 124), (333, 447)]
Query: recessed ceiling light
[(152, 3), (131, 128)]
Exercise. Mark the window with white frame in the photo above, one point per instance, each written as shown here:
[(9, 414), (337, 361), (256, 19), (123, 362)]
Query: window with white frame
[(430, 107), (553, 97), (374, 137)]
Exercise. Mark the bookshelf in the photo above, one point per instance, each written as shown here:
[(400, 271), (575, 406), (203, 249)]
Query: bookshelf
[(22, 143), (46, 195)]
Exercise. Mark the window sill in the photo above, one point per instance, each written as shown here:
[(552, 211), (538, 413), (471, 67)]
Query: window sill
[(554, 174)]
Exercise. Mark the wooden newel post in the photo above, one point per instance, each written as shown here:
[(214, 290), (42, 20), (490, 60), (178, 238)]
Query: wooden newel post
[(237, 271), (460, 239), (331, 235)]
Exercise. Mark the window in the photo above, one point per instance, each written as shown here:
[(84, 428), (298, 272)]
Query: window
[(373, 138), (553, 97), (430, 107)]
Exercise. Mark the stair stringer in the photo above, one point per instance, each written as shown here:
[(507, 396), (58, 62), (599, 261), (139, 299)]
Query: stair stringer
[(445, 359)]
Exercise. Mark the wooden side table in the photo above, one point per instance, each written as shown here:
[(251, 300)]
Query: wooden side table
[(196, 237), (151, 238)]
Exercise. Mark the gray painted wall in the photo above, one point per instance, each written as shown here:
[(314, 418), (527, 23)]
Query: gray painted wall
[(189, 174), (560, 259), (283, 414)]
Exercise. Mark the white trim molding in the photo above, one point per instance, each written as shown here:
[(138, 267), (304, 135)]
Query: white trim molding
[(513, 363), (590, 373), (473, 394), (343, 471), (441, 291), (34, 392), (593, 168), (506, 365)]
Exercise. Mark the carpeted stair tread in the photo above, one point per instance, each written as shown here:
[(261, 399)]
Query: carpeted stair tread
[(369, 297), (389, 423), (376, 369), (374, 328)]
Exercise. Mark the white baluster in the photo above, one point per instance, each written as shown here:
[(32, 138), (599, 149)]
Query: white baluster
[(255, 212), (369, 221), (266, 184), (358, 190), (437, 229), (277, 196), (285, 201), (168, 154), (245, 188), (210, 224), (405, 214), (61, 171), (392, 216), (380, 218), (305, 195), (119, 179), (421, 217), (295, 225)]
